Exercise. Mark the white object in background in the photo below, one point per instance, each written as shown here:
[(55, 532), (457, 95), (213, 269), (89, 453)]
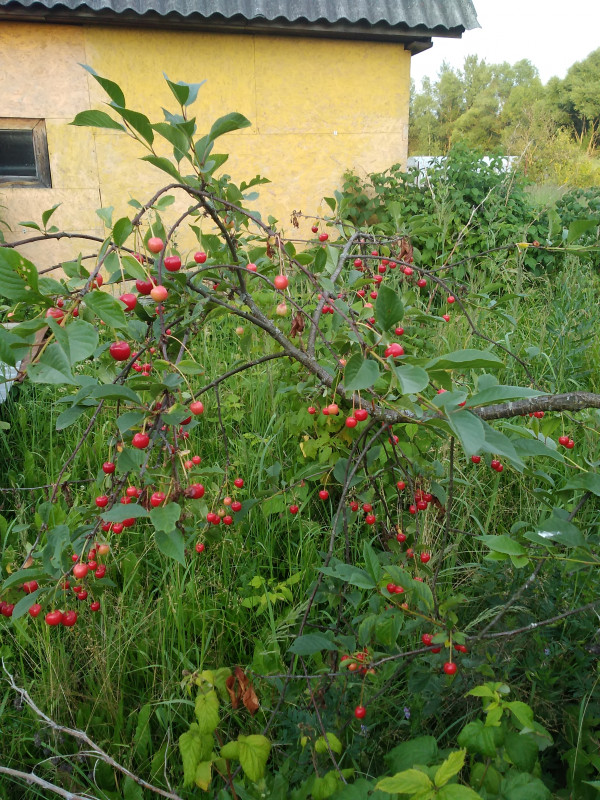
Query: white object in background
[(7, 376)]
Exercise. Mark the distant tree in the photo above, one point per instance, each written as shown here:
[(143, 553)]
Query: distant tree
[(581, 99)]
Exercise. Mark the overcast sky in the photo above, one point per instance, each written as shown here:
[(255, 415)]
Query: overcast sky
[(552, 34)]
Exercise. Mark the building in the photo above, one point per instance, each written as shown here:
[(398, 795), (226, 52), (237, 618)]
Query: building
[(325, 84)]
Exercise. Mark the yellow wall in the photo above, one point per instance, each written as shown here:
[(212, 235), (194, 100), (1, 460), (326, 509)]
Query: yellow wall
[(317, 107)]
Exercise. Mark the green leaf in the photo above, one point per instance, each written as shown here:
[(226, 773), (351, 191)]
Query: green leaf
[(122, 230), (105, 215), (558, 530), (139, 122), (96, 119), (410, 781), (107, 308), (350, 574), (522, 786), (521, 712), (579, 227), (455, 791), (171, 544), (120, 512), (227, 124), (203, 775), (388, 307), (193, 747), (503, 544), (372, 562), (132, 790), (451, 767), (589, 481), (78, 339), (207, 711), (185, 93), (466, 359), (533, 448), (310, 643), (70, 416), (25, 603), (164, 517), (421, 750), (231, 751), (112, 89), (48, 213), (52, 368), (114, 391), (254, 754), (522, 750), (500, 394), (18, 277), (165, 165), (411, 379), (360, 373), (334, 744), (478, 739), (142, 739), (469, 430)]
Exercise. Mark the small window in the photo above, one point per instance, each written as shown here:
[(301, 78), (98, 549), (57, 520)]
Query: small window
[(24, 153)]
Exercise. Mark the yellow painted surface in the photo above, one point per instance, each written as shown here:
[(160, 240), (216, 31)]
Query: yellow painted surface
[(318, 108)]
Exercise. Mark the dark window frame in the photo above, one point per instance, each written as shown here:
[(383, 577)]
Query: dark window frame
[(43, 177)]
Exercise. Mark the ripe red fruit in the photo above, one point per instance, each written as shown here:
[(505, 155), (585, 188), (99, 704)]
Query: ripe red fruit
[(570, 444), (117, 527), (69, 618), (197, 407), (172, 263), (82, 595), (130, 300), (450, 668), (421, 283), (323, 237), (460, 648), (312, 410), (120, 351), (236, 506), (30, 586), (155, 244), (564, 440), (157, 498), (140, 440), (407, 271), (281, 282), (360, 712), (108, 467), (323, 494), (200, 546), (400, 486), (294, 509), (95, 606), (425, 557), (361, 414), (6, 609), (367, 507), (238, 482), (133, 491), (54, 617), (35, 609), (55, 313), (391, 587), (354, 506), (494, 463), (476, 459), (251, 267), (100, 572), (446, 317), (421, 505), (143, 287), (159, 293), (370, 519), (351, 422), (80, 571), (196, 491), (102, 501), (199, 257), (401, 537), (399, 331), (412, 509), (427, 639), (315, 229), (451, 299), (333, 409), (394, 350), (196, 460), (227, 520)]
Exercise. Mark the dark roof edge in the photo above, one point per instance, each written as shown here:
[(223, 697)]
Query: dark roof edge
[(415, 39)]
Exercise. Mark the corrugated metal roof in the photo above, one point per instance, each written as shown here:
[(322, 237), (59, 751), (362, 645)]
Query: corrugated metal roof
[(428, 14)]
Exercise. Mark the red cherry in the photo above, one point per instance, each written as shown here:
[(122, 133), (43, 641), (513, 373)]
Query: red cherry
[(108, 467), (494, 464), (130, 300), (425, 557), (395, 350), (80, 571), (157, 498), (407, 271), (360, 712), (460, 648), (427, 639), (69, 619), (421, 505), (102, 501), (172, 263), (143, 287), (401, 486), (401, 537), (476, 459), (133, 491), (312, 410), (227, 520), (412, 509), (196, 491), (323, 237), (361, 414), (30, 586), (294, 509), (421, 283), (120, 351), (251, 267), (82, 595), (367, 507), (117, 527), (159, 294), (35, 609), (200, 547), (446, 317), (140, 440), (236, 506), (100, 572), (451, 299), (199, 257), (351, 422), (55, 313), (196, 460), (323, 494), (6, 609), (315, 229), (238, 482), (281, 282), (95, 606), (354, 506), (155, 244), (564, 440), (197, 407), (570, 444), (54, 617), (450, 668), (370, 519)]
